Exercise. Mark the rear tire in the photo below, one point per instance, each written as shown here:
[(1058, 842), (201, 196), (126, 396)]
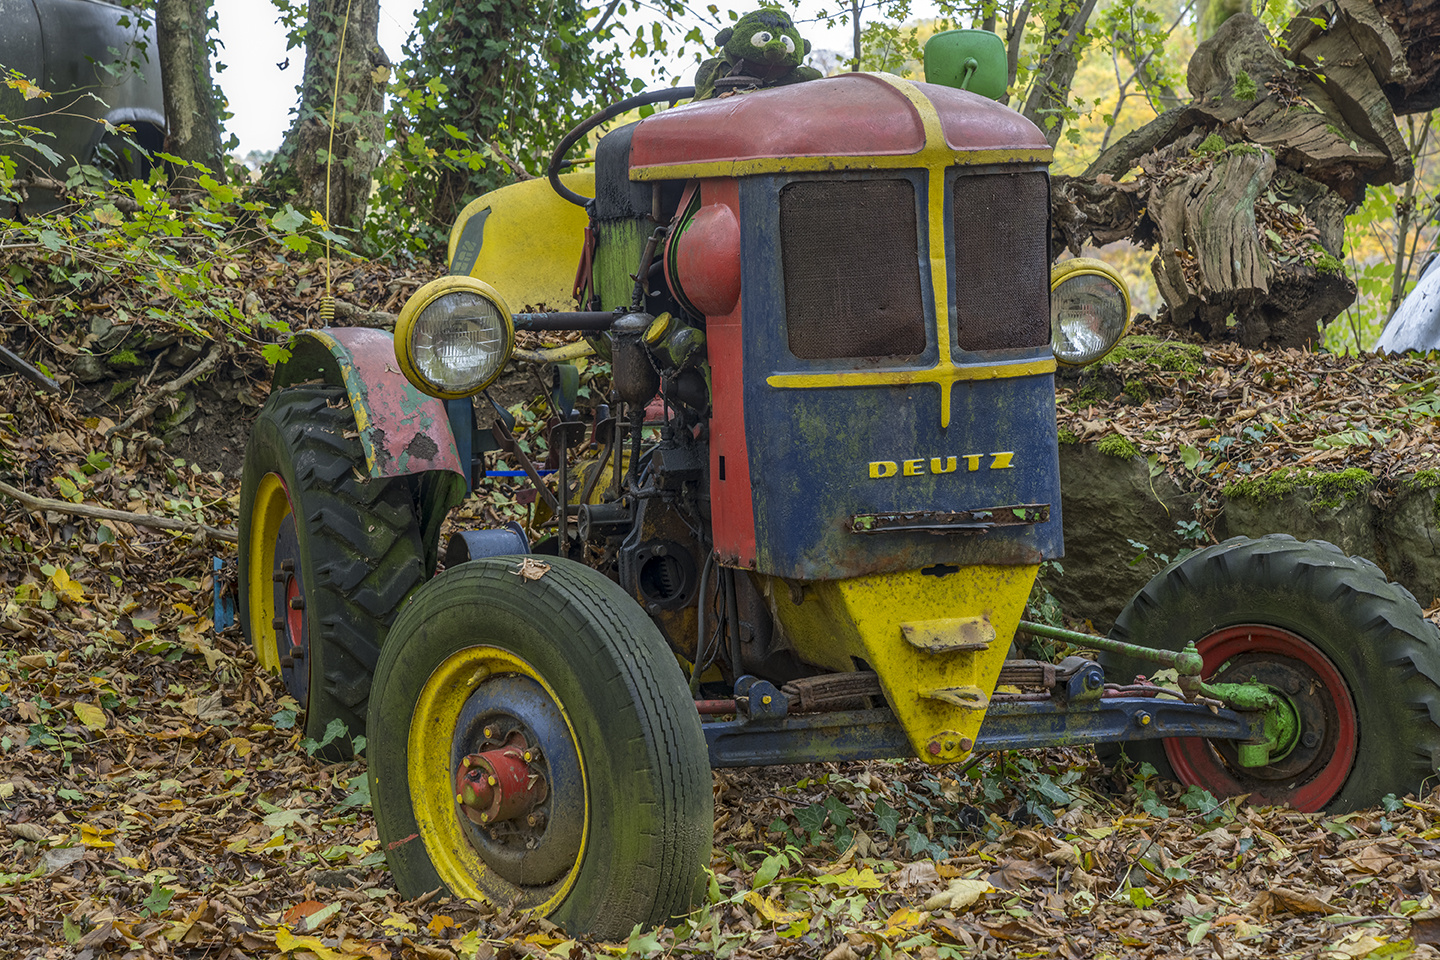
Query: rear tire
[(354, 559), (1352, 651), (568, 666)]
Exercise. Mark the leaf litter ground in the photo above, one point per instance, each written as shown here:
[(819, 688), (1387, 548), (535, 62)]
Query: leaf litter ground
[(157, 798)]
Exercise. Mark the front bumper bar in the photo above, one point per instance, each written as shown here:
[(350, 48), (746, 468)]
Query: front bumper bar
[(1012, 725)]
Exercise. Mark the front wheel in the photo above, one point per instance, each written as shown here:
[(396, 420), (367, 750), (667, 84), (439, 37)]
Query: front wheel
[(327, 554), (1350, 653), (533, 742)]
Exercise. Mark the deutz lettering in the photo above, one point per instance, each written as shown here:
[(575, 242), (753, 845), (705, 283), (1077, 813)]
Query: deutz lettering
[(881, 469)]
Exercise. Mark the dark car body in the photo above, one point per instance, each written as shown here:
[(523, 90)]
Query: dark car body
[(74, 49)]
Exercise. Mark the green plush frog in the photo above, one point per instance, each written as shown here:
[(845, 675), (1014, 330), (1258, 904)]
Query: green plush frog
[(763, 44)]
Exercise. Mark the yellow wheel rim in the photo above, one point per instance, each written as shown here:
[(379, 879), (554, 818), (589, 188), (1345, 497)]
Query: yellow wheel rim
[(432, 783), (271, 507)]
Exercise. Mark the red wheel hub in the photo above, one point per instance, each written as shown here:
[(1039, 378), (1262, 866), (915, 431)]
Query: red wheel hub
[(1311, 773), (500, 784)]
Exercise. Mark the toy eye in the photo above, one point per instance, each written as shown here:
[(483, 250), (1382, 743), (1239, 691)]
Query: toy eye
[(789, 44), (760, 39)]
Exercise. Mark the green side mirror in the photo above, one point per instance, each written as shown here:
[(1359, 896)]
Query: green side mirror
[(971, 60)]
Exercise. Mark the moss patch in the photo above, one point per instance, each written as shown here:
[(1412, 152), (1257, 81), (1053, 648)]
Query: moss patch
[(1425, 480), (1164, 354), (1210, 146), (1068, 436), (1331, 489), (1327, 264), (1117, 446), (1245, 88)]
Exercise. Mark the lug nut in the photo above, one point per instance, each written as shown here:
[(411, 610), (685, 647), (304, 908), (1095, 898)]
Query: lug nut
[(536, 819), (278, 623), (288, 566), (297, 603), (966, 743), (934, 748), (1310, 739)]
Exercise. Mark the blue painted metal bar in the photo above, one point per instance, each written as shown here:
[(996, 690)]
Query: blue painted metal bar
[(461, 414), (876, 734)]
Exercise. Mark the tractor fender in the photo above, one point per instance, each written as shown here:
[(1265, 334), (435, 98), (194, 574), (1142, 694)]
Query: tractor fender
[(402, 431)]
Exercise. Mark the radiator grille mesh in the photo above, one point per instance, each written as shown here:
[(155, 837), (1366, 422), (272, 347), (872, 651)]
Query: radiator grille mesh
[(1002, 261), (852, 271)]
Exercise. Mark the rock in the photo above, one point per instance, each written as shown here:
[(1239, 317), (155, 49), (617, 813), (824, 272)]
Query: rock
[(88, 368), (1106, 502)]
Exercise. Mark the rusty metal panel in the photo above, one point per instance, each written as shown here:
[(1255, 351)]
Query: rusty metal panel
[(402, 431)]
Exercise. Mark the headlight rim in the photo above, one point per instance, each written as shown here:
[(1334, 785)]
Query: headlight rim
[(1089, 266), (415, 307)]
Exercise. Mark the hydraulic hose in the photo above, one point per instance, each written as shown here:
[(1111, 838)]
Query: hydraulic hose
[(669, 94)]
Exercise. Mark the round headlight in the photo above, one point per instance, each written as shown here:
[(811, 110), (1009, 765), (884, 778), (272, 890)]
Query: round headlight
[(1089, 310), (453, 337)]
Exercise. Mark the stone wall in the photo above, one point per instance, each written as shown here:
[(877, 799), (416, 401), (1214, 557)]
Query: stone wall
[(1109, 501)]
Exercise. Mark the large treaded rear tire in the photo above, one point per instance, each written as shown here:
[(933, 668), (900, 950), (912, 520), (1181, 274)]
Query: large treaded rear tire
[(360, 551), (625, 828), (1281, 604)]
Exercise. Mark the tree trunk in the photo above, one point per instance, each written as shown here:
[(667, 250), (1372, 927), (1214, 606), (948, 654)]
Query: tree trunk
[(191, 100), (1242, 192), (1050, 91), (299, 171)]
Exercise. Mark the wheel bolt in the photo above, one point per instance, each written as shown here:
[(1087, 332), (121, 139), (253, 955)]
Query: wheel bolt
[(1310, 739), (489, 733), (288, 566), (297, 603), (1142, 718), (279, 623), (934, 747), (536, 819)]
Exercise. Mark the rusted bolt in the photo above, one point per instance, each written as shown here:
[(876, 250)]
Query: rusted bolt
[(536, 819), (1310, 739), (966, 743), (949, 745), (279, 623), (934, 748), (297, 603), (288, 566)]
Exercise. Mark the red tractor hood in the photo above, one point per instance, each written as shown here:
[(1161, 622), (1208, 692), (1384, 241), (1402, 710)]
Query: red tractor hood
[(853, 115)]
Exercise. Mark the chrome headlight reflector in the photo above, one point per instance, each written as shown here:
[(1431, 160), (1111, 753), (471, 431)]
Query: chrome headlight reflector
[(1089, 310), (454, 337)]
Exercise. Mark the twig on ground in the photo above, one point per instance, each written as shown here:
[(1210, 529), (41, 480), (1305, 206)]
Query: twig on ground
[(35, 504), (203, 365)]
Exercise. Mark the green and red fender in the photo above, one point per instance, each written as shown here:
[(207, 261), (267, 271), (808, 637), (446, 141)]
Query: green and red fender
[(402, 431)]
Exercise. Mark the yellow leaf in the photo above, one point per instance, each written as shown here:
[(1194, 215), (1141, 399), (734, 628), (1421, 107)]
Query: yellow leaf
[(438, 924), (26, 88), (240, 745), (134, 863), (92, 836), (903, 921), (860, 879), (186, 609), (65, 588), (771, 911), (397, 924), (90, 715), (285, 941)]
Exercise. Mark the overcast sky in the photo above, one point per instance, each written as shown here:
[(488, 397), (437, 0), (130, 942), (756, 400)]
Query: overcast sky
[(261, 94)]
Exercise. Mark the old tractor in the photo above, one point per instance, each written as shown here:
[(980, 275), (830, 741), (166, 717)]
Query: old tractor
[(803, 525)]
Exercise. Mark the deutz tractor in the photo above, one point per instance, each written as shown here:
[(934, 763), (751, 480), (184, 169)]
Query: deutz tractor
[(802, 525)]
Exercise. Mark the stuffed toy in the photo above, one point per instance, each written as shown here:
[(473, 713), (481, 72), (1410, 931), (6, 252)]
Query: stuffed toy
[(764, 45)]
